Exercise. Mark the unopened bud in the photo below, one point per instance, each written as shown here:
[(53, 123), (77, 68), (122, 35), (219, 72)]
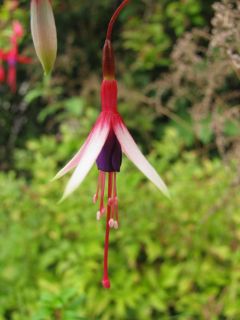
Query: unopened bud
[(44, 33)]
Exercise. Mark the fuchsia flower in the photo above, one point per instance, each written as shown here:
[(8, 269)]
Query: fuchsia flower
[(105, 144), (12, 57)]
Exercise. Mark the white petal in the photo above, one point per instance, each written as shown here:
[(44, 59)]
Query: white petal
[(134, 154), (71, 164), (77, 157), (88, 157)]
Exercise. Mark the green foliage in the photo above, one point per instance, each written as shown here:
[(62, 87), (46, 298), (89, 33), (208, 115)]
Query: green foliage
[(174, 259), (167, 259), (164, 21), (182, 14)]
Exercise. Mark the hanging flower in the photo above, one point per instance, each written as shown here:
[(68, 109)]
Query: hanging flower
[(105, 144), (44, 33), (13, 58)]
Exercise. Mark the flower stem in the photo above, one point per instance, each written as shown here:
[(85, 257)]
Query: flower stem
[(105, 280), (114, 18)]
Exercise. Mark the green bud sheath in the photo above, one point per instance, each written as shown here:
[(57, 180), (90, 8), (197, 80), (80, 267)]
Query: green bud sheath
[(44, 33)]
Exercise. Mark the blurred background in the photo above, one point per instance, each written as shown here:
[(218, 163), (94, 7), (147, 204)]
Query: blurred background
[(178, 65)]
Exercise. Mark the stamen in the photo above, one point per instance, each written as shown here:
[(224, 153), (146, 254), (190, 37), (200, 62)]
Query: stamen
[(102, 178), (115, 198), (111, 223), (100, 186), (115, 225), (98, 215), (95, 197)]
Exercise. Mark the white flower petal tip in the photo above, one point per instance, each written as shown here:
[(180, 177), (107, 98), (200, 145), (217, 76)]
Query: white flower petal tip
[(61, 200), (160, 184), (74, 161), (44, 33), (132, 151), (57, 176), (64, 197), (166, 192)]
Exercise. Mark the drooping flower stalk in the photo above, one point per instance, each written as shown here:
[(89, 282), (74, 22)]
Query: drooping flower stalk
[(105, 144), (114, 18), (44, 33)]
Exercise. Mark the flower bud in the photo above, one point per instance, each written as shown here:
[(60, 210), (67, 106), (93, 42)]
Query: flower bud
[(44, 33)]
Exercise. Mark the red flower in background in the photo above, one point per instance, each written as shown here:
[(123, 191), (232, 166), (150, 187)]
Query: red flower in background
[(12, 57)]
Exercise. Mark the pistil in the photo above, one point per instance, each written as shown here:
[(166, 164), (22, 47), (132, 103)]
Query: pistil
[(112, 213), (105, 280)]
